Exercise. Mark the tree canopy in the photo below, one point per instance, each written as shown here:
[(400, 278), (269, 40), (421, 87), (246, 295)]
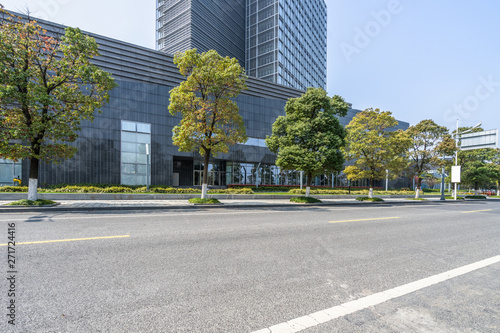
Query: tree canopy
[(374, 146), (480, 167), (429, 143), (48, 85), (210, 117), (310, 137)]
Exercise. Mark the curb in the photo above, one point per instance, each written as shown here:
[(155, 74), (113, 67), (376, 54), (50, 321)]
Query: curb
[(201, 206)]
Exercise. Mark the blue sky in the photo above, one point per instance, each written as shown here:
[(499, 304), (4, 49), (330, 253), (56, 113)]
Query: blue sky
[(420, 59)]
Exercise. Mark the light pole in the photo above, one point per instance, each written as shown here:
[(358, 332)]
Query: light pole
[(457, 134), (442, 184)]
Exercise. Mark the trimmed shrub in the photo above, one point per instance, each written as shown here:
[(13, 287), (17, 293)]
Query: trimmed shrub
[(25, 202), (305, 200), (11, 189), (451, 198), (171, 190), (204, 201), (369, 199), (118, 189), (475, 197), (232, 191)]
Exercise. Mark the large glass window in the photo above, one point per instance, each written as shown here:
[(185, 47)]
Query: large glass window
[(216, 173), (134, 139)]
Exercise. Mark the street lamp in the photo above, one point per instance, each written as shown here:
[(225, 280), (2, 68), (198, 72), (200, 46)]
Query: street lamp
[(457, 134)]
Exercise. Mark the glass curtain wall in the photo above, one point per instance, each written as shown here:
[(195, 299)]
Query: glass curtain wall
[(216, 173), (134, 163)]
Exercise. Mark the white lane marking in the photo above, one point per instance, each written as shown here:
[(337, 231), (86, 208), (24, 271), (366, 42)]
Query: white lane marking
[(323, 316)]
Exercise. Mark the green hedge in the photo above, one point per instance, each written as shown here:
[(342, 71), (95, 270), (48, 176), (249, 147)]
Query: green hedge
[(10, 189), (353, 192), (476, 197), (123, 189), (305, 200), (369, 199)]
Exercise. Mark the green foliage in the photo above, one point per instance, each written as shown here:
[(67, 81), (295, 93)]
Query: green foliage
[(204, 201), (231, 191), (429, 143), (416, 199), (480, 167), (210, 117), (452, 198), (13, 189), (172, 190), (305, 200), (375, 147), (39, 202), (475, 197), (48, 86), (309, 137), (369, 199)]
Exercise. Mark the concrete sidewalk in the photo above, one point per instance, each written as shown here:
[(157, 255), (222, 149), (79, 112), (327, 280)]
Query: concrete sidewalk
[(88, 205)]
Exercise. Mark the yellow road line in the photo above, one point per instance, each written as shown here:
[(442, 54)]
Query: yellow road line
[(475, 211), (68, 240), (372, 219)]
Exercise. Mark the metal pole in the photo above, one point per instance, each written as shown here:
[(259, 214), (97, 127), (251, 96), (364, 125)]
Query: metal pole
[(147, 167), (301, 175), (456, 161), (442, 184), (386, 180)]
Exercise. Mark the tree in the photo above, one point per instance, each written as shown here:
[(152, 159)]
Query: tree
[(374, 146), (210, 118), (479, 167), (480, 174), (48, 86), (429, 142), (309, 137)]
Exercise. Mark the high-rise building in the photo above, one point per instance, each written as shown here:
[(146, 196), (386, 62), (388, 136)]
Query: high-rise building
[(201, 24), (286, 42), (280, 41)]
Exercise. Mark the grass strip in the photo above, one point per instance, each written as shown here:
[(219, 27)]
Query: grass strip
[(26, 202), (305, 200)]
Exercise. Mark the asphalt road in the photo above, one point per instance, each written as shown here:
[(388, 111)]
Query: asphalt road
[(229, 270)]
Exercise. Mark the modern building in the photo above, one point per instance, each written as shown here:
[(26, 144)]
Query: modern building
[(112, 148), (286, 42), (202, 24), (279, 41)]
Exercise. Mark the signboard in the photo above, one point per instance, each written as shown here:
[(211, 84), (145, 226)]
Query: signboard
[(455, 174), (486, 139)]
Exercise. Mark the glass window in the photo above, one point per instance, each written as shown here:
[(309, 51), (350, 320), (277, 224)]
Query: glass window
[(128, 168), (129, 158), (129, 147), (141, 158), (143, 128), (128, 126), (142, 169), (143, 138), (129, 137)]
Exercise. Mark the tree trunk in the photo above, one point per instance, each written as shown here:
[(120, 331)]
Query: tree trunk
[(204, 184), (419, 187), (308, 183), (33, 179), (370, 192), (476, 188)]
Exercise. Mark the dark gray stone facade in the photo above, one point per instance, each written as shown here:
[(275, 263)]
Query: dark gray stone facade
[(144, 79)]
